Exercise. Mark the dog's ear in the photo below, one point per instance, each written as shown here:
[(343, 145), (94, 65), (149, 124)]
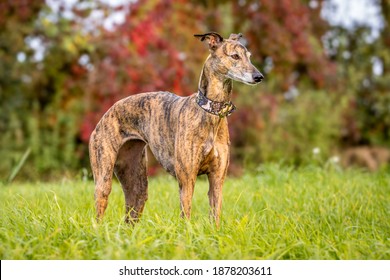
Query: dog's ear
[(213, 38), (235, 37)]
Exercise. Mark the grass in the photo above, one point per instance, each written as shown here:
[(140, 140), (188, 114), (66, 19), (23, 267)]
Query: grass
[(274, 213)]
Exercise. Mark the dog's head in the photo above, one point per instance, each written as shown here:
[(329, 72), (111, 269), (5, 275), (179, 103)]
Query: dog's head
[(230, 58)]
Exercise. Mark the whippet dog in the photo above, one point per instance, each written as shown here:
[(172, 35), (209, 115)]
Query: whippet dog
[(187, 135)]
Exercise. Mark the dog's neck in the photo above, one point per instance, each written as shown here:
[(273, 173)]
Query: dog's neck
[(215, 86)]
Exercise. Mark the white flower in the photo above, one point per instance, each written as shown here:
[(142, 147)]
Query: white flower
[(316, 151), (335, 159)]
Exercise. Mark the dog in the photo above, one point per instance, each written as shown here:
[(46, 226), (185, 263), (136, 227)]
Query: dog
[(187, 135)]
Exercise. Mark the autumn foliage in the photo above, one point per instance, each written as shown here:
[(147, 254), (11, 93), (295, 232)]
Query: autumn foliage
[(61, 70), (146, 53)]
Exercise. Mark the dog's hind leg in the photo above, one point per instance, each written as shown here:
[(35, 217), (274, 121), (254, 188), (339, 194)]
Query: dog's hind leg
[(102, 163), (131, 171)]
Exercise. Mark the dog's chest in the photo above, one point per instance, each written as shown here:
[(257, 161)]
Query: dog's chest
[(209, 145)]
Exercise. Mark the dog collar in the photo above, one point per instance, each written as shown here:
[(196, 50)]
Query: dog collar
[(221, 109)]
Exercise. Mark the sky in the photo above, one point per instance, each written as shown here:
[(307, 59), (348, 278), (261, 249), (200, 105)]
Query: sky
[(351, 12)]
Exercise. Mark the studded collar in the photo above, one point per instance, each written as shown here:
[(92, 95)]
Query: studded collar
[(221, 109)]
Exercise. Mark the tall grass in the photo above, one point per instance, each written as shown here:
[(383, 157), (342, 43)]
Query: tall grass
[(274, 213)]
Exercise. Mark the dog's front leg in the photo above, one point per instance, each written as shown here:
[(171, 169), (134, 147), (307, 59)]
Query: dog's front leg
[(216, 178), (186, 192), (186, 179), (186, 171)]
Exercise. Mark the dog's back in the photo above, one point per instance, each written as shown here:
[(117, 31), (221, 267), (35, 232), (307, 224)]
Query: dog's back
[(149, 117)]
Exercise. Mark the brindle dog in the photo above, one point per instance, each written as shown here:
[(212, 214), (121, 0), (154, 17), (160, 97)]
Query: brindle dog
[(187, 135)]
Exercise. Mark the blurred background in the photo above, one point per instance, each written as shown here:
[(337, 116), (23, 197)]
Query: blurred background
[(326, 96)]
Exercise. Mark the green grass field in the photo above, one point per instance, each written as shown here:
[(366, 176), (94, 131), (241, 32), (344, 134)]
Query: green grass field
[(274, 213)]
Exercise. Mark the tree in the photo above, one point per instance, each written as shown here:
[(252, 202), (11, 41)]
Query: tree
[(364, 68), (60, 73), (16, 23), (41, 83)]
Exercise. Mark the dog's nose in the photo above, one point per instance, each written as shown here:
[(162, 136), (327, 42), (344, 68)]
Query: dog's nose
[(257, 77)]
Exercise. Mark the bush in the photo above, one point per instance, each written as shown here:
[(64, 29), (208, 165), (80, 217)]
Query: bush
[(278, 129)]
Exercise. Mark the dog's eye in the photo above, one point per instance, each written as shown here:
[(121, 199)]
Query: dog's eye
[(235, 56)]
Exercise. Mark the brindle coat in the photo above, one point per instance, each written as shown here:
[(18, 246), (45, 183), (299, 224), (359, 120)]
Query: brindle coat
[(185, 139)]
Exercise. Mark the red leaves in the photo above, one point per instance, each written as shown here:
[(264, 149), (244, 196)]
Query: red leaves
[(21, 10), (287, 32), (143, 35), (142, 55)]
